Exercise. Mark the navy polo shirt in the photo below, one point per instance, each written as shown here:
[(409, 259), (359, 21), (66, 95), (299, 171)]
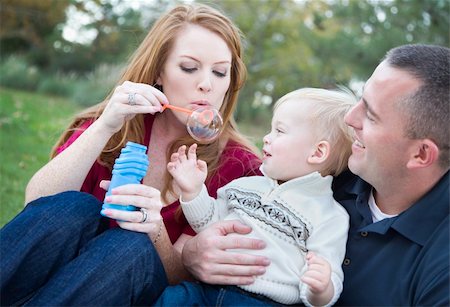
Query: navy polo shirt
[(399, 261)]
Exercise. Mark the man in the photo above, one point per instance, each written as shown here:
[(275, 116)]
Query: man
[(398, 244)]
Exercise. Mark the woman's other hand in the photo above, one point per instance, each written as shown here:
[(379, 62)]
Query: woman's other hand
[(130, 99), (207, 258), (142, 197)]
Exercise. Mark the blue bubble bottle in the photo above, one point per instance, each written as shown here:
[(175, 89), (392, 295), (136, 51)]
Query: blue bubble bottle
[(130, 167)]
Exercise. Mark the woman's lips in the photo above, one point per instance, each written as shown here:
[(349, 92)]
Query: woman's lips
[(200, 103)]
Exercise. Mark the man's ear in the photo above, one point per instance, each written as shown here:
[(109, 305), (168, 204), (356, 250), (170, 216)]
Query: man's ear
[(425, 153), (320, 153)]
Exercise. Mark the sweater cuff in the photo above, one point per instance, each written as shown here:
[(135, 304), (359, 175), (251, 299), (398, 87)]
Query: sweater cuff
[(198, 211), (337, 289), (337, 285)]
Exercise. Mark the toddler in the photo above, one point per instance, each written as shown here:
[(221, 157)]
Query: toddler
[(291, 207)]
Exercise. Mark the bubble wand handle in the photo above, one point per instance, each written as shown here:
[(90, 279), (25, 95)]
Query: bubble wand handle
[(172, 107)]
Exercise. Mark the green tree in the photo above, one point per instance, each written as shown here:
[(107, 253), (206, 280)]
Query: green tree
[(367, 29), (29, 26), (292, 44)]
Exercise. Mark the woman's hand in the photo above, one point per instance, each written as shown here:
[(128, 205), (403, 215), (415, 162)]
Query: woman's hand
[(206, 255), (130, 99), (140, 196)]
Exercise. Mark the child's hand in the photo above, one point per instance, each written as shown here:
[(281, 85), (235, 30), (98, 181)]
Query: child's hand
[(318, 275), (188, 172)]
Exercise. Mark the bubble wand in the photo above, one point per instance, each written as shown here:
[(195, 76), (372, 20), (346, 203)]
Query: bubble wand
[(204, 124), (206, 115)]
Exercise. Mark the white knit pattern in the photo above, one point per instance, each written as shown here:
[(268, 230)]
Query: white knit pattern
[(292, 218)]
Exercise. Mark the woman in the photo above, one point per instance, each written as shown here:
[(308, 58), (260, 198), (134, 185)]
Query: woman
[(59, 252)]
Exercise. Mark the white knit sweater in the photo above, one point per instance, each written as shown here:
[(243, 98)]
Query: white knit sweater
[(293, 218)]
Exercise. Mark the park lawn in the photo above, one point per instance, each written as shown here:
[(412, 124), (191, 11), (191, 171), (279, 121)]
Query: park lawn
[(30, 124)]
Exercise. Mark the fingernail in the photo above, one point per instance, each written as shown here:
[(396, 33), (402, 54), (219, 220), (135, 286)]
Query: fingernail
[(262, 244), (104, 212), (248, 281)]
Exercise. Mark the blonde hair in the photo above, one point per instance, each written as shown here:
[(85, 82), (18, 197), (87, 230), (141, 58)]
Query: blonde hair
[(145, 66), (327, 115)]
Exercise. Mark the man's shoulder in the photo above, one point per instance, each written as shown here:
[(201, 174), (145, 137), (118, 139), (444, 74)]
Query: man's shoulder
[(345, 184), (432, 272)]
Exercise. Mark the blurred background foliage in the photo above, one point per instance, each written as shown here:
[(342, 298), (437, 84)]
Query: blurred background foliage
[(58, 56), (77, 48)]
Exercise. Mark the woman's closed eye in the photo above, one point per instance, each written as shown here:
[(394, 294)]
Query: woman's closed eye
[(219, 73), (188, 69)]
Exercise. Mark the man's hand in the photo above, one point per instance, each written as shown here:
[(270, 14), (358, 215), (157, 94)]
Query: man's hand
[(207, 258)]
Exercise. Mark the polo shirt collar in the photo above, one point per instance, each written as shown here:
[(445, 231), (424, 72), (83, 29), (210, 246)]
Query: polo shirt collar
[(416, 223), (420, 221)]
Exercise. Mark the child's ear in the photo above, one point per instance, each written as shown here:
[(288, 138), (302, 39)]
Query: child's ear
[(320, 154), (425, 153)]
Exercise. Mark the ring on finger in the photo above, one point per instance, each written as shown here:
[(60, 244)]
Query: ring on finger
[(144, 215), (132, 99)]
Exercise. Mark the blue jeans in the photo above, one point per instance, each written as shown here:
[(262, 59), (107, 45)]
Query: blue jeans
[(201, 294), (57, 251)]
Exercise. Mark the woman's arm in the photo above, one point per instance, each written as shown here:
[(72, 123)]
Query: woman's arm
[(170, 256), (68, 170)]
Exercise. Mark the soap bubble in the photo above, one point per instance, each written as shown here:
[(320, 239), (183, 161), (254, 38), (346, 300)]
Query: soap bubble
[(204, 124)]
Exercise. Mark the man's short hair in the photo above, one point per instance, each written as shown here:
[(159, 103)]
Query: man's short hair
[(427, 110)]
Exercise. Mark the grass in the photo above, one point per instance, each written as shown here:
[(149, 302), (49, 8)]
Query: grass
[(30, 124)]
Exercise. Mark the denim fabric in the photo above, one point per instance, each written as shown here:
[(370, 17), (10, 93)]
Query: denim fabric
[(57, 252), (200, 294)]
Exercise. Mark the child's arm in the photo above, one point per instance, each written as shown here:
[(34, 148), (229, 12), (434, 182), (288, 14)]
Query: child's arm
[(318, 278), (327, 241), (188, 172)]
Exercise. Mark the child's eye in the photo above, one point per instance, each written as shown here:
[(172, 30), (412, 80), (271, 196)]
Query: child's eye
[(278, 131)]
